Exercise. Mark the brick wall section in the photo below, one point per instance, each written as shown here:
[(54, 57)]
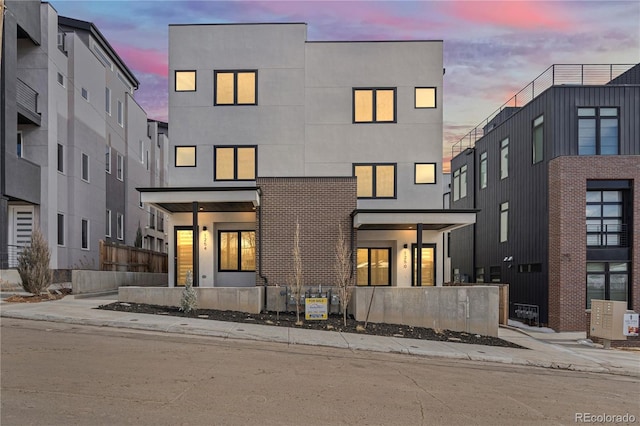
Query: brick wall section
[(320, 204), (567, 253)]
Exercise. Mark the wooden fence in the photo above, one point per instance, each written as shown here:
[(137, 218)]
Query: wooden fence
[(115, 257)]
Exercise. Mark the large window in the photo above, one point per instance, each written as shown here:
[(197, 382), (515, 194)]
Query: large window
[(375, 180), (84, 227), (605, 223), (598, 131), (235, 163), (236, 251), (504, 222), (373, 266), (460, 183), (425, 97), (374, 105), (607, 281), (185, 156), (537, 154), (483, 170), (504, 158), (236, 87), (185, 81), (425, 173)]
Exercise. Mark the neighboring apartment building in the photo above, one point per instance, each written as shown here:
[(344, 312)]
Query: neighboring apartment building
[(556, 180), (74, 141), (268, 130)]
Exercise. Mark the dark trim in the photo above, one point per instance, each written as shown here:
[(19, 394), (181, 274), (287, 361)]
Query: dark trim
[(235, 86), (435, 97), (356, 211), (374, 175), (390, 275), (504, 146), (418, 271), (373, 106), (175, 79), (195, 155), (415, 173), (235, 162), (219, 249), (533, 135), (608, 184), (196, 244), (598, 122)]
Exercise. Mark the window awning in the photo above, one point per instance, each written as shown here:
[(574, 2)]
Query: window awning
[(431, 220), (210, 199)]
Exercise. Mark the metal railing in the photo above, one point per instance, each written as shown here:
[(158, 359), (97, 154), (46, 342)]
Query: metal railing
[(26, 97), (530, 313), (9, 258), (555, 75), (607, 235)]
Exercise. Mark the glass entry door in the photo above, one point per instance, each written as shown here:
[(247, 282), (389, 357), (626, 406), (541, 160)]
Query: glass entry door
[(428, 265), (183, 253)]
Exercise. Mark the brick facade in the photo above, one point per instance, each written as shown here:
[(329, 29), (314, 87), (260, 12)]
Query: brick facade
[(568, 176), (319, 204)]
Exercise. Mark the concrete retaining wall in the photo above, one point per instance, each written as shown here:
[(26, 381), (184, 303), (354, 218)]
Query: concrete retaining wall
[(468, 309), (242, 299), (83, 281)]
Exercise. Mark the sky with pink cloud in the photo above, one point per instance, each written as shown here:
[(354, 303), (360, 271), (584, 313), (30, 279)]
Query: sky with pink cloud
[(492, 49)]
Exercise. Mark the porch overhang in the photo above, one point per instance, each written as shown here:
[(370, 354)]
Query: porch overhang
[(431, 220), (209, 199)]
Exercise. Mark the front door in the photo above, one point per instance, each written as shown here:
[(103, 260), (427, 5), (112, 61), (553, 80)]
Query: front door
[(428, 265), (183, 253), (20, 230)]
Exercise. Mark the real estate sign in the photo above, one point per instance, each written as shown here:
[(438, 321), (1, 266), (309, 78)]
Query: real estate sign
[(315, 308)]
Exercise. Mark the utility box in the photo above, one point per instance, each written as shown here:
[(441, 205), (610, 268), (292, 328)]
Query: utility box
[(607, 319)]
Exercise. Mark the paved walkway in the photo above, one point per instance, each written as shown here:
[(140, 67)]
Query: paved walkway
[(550, 350)]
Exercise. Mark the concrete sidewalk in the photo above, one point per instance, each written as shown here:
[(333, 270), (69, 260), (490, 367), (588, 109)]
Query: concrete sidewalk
[(549, 350)]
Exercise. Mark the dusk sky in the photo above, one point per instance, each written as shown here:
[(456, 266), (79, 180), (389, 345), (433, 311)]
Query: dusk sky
[(491, 49)]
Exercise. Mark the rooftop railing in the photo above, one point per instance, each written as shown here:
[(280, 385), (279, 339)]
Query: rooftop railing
[(555, 75)]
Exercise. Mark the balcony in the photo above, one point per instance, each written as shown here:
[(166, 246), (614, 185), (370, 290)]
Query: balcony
[(27, 103), (602, 236)]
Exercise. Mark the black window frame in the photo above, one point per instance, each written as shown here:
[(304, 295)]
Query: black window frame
[(195, 155), (504, 155), (374, 178), (390, 275), (60, 166), (84, 167), (84, 234), (457, 183), (535, 128), (373, 105), (60, 226), (597, 117), (607, 280), (235, 86), (483, 170), (239, 236), (175, 80), (435, 97), (235, 162), (415, 173)]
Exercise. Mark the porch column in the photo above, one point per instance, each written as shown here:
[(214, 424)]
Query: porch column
[(419, 256), (196, 245)]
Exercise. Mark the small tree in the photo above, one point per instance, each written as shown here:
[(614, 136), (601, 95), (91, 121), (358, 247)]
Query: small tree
[(33, 265), (189, 301), (296, 288), (138, 241), (344, 272)]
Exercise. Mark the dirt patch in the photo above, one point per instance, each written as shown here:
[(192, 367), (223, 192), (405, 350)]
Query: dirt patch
[(333, 323), (37, 298)]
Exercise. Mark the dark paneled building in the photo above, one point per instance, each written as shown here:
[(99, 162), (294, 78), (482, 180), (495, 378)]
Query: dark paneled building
[(555, 175)]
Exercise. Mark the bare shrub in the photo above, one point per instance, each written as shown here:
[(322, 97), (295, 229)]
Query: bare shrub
[(33, 265), (297, 285), (344, 267), (189, 300)]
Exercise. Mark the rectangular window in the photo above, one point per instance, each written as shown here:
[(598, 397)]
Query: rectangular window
[(185, 81), (140, 203), (60, 79), (120, 226), (107, 231), (504, 159), (85, 167), (373, 267), (107, 100), (107, 159), (147, 159), (495, 274), (538, 142), (424, 173), (526, 268), (85, 234), (483, 170), (504, 221), (598, 131), (375, 180), (120, 167), (480, 275), (85, 94), (141, 150), (374, 105), (236, 251), (60, 158), (607, 281), (120, 114), (236, 87), (605, 218), (185, 156), (460, 183), (19, 145), (60, 229), (235, 163), (425, 97)]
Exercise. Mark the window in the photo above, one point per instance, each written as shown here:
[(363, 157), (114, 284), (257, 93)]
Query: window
[(147, 159), (19, 145), (152, 218), (107, 100), (504, 221), (141, 146), (60, 79), (236, 251), (374, 105), (120, 167), (607, 281), (185, 81), (60, 229), (495, 274), (479, 275), (85, 167), (236, 87), (460, 183), (140, 203), (120, 226), (85, 234), (120, 114), (107, 159), (483, 170), (375, 180), (537, 144), (107, 231), (605, 224), (85, 94), (60, 158), (598, 131), (425, 97), (504, 159), (373, 266), (526, 268), (185, 156), (425, 173), (235, 163)]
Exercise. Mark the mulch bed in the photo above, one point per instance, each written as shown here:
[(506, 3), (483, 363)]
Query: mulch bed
[(333, 323), (36, 298)]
